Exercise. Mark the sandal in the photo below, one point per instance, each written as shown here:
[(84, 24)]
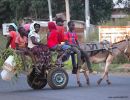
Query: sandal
[(88, 83)]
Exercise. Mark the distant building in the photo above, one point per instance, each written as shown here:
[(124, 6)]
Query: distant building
[(119, 10), (119, 13)]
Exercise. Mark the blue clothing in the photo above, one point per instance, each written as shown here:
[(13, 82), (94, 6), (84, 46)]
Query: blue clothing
[(64, 47)]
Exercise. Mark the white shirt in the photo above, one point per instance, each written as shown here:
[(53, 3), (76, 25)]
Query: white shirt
[(37, 37)]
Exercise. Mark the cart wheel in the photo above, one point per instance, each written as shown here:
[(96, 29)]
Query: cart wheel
[(36, 82), (57, 78)]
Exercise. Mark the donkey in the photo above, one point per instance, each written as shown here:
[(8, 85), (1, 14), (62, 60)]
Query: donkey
[(102, 54)]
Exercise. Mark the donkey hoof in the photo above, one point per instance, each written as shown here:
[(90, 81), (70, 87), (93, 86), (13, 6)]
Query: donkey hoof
[(99, 81), (79, 84), (108, 82), (88, 83)]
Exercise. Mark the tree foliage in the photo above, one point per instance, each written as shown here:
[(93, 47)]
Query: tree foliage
[(5, 15), (100, 10), (77, 9)]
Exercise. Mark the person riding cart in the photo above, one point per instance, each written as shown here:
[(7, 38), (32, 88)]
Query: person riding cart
[(72, 39), (44, 70), (53, 43)]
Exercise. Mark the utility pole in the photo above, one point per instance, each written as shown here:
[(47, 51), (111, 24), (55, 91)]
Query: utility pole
[(50, 11), (67, 11), (87, 19)]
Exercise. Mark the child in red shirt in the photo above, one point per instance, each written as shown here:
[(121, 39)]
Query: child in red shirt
[(60, 29), (52, 39), (72, 39)]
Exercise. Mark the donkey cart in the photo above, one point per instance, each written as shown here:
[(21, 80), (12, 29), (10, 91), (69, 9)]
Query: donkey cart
[(44, 70)]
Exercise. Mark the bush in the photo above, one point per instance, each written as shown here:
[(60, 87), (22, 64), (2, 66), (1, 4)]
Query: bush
[(3, 42), (120, 59), (68, 64), (17, 58)]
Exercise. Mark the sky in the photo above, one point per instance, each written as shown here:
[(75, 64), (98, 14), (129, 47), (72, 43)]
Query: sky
[(119, 5)]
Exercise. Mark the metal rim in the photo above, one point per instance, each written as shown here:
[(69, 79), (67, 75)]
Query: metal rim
[(59, 78)]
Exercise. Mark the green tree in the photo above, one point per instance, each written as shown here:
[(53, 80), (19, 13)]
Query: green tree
[(77, 9), (100, 10), (17, 9), (58, 6), (5, 12), (39, 9)]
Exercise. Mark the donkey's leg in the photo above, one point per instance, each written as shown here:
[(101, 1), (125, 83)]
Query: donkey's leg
[(86, 77), (99, 81), (78, 78), (104, 75), (107, 79), (108, 62)]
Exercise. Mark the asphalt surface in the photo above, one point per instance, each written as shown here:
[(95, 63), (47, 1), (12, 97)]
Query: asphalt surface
[(118, 90)]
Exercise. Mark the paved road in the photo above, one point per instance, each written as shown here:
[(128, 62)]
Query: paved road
[(119, 90)]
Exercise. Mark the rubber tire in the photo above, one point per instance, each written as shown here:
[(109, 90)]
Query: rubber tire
[(32, 81), (52, 83)]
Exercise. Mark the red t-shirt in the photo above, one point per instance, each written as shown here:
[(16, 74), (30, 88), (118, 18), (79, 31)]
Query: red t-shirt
[(13, 35), (71, 37), (52, 39), (61, 36)]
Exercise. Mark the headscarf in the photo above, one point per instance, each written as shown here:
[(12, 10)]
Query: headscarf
[(27, 27), (51, 26), (32, 29), (16, 28)]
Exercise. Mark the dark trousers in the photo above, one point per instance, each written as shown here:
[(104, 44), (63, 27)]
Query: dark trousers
[(73, 60), (79, 61), (85, 59)]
